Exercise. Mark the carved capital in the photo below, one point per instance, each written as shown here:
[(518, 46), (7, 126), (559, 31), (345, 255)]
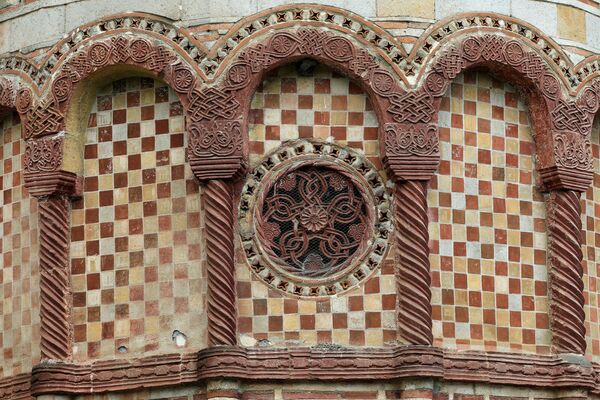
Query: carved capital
[(44, 154), (50, 183), (573, 162), (216, 149), (411, 150)]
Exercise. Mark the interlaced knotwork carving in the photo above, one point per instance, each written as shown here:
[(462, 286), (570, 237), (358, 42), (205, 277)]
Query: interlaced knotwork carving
[(450, 64), (7, 94), (412, 107), (564, 258), (218, 203), (211, 104), (44, 155), (568, 116), (56, 334), (412, 266), (313, 221)]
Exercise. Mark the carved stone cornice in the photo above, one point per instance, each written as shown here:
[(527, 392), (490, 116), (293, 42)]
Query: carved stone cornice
[(301, 364)]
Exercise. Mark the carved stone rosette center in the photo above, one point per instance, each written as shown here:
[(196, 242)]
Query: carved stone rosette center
[(314, 219)]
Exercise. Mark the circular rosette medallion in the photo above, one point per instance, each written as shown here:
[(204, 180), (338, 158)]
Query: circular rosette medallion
[(314, 219)]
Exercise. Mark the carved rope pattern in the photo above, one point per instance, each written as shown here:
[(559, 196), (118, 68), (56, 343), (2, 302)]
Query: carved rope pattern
[(413, 277), (218, 198), (55, 283), (566, 285)]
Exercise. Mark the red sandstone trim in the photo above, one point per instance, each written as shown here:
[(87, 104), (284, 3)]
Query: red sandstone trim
[(302, 364)]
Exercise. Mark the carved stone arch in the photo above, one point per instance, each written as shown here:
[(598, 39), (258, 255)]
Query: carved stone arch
[(369, 34), (562, 130), (437, 36), (54, 127), (556, 118), (224, 104)]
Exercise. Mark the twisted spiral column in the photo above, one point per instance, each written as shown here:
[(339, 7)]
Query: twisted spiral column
[(413, 277), (55, 295), (218, 203), (564, 261)]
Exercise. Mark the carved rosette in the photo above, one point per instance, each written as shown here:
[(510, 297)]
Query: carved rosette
[(566, 284), (339, 208), (221, 309), (216, 149), (413, 277), (411, 150)]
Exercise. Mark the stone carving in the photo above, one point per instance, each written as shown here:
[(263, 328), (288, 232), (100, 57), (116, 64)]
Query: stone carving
[(55, 281), (314, 230), (264, 365), (382, 82), (215, 139), (24, 101), (412, 267), (221, 308), (7, 94), (564, 258), (411, 139), (436, 84), (44, 155), (573, 150), (313, 221), (212, 103), (568, 116), (412, 107), (588, 101), (550, 86)]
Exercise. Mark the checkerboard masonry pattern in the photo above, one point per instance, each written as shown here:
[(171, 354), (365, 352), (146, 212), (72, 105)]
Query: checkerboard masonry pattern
[(19, 272), (137, 231), (136, 260)]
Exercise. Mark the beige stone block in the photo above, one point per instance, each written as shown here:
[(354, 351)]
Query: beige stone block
[(571, 23), (94, 331), (412, 8)]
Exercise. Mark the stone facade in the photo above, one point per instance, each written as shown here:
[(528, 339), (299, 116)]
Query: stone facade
[(354, 200)]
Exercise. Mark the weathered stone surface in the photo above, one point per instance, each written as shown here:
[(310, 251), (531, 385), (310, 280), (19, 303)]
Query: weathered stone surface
[(571, 23), (413, 8), (542, 15)]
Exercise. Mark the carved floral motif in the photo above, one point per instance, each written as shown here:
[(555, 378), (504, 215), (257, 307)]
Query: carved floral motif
[(314, 217), (44, 155), (573, 150), (411, 139), (215, 139), (311, 230)]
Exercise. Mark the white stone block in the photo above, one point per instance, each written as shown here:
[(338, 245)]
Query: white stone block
[(445, 8), (41, 26), (593, 31), (79, 13), (540, 14), (364, 8)]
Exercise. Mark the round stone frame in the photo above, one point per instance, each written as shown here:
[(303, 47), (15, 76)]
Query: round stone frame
[(365, 176)]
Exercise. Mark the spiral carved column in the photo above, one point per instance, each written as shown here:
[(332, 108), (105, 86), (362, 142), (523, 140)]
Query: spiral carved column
[(218, 203), (413, 277), (56, 333), (564, 260)]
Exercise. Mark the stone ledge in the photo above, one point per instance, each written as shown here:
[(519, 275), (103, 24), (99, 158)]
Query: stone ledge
[(339, 364)]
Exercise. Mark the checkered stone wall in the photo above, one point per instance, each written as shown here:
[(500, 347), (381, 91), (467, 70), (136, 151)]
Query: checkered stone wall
[(19, 265), (136, 259), (326, 106), (590, 219), (487, 223)]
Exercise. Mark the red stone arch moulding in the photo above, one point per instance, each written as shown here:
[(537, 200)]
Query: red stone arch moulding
[(215, 88), (563, 156)]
